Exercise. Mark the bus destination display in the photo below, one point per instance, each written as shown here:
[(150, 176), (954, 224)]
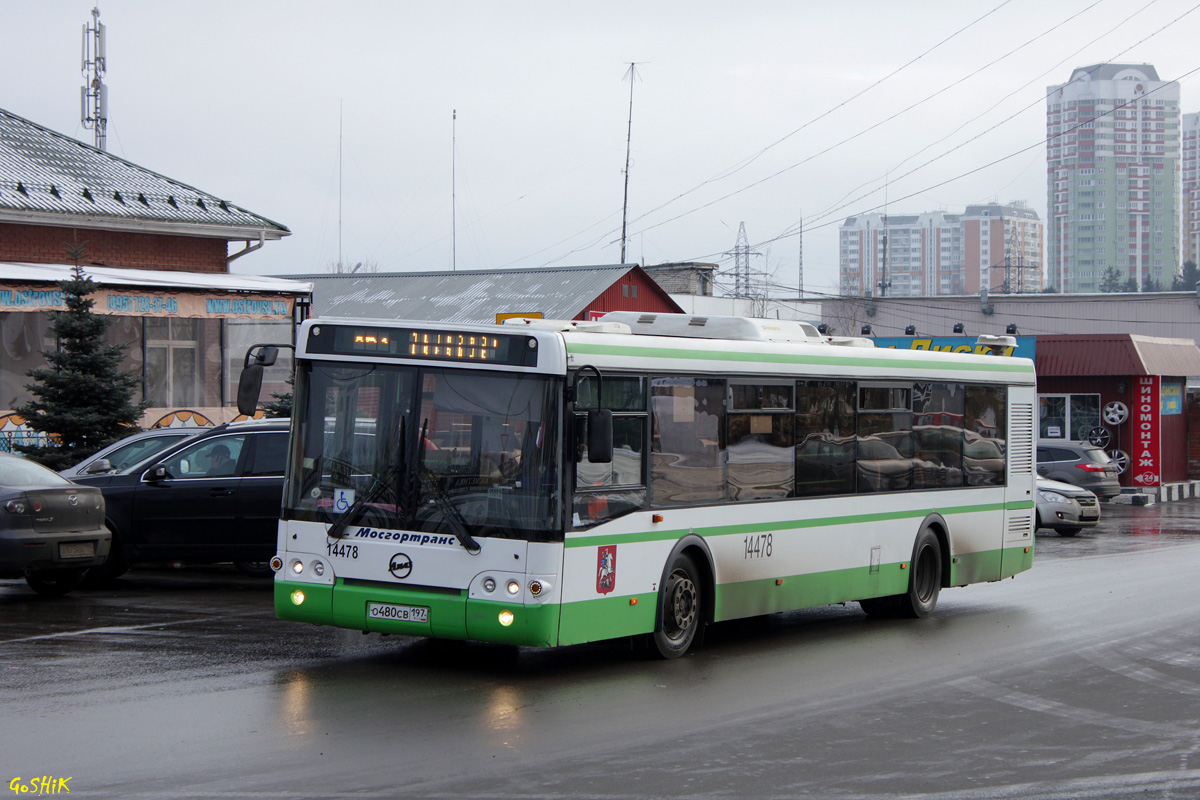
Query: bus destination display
[(423, 344)]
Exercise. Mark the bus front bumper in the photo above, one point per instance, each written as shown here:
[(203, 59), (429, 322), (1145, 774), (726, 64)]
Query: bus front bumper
[(451, 614)]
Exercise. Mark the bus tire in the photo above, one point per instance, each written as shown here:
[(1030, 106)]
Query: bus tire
[(680, 608), (925, 578)]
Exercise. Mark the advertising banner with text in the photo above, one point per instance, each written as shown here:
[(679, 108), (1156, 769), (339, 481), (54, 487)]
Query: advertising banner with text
[(149, 303), (1146, 461)]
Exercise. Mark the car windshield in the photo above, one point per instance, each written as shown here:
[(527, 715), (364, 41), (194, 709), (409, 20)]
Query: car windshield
[(18, 472), (449, 451), (136, 452)]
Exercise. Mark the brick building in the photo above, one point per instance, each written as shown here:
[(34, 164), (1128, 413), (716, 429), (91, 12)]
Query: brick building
[(158, 250)]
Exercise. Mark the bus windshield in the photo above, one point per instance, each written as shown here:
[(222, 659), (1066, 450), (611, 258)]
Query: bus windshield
[(459, 452)]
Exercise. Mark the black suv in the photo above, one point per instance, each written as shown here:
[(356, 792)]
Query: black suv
[(215, 497)]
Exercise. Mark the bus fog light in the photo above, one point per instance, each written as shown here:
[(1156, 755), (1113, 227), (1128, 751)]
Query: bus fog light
[(297, 597), (318, 568), (489, 585), (512, 587), (506, 618), (277, 563), (297, 566)]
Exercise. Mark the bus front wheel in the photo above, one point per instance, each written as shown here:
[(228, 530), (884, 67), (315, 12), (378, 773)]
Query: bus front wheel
[(680, 608)]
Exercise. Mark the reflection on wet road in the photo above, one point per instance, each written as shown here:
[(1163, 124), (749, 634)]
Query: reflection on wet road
[(1077, 679)]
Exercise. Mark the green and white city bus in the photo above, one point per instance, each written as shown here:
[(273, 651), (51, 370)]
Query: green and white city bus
[(549, 483)]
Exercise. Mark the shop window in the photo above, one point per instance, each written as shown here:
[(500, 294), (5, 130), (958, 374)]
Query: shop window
[(178, 371), (1069, 417), (239, 335)]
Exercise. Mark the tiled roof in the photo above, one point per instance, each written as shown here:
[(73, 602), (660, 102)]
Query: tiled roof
[(45, 176)]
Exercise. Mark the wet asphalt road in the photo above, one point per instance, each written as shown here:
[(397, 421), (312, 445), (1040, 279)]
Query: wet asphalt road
[(1078, 679)]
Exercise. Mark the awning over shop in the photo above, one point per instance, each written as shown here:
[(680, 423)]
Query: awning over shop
[(1116, 354), (153, 293)]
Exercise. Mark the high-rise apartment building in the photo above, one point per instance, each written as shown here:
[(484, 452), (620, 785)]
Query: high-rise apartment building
[(935, 253), (1112, 160), (1190, 203)]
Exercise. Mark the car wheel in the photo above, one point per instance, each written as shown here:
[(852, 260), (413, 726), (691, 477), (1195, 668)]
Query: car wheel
[(54, 582), (113, 567), (255, 569), (680, 609), (1068, 531)]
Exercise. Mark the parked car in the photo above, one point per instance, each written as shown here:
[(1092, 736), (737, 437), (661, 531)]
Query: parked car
[(129, 452), (1080, 464), (51, 530), (211, 498), (1065, 508)]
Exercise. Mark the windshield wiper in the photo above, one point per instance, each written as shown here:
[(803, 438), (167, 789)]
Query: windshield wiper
[(450, 512)]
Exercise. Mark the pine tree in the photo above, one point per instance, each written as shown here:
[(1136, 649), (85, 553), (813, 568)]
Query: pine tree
[(82, 399), (281, 406)]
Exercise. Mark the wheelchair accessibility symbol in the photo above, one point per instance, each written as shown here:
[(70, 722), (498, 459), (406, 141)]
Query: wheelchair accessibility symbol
[(343, 499)]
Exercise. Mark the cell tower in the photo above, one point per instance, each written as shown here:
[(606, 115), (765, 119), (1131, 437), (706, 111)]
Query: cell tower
[(93, 95)]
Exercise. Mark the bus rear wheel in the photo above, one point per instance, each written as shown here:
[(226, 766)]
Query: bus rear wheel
[(680, 608), (925, 579), (924, 583)]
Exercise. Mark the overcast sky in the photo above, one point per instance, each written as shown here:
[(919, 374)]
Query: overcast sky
[(762, 113)]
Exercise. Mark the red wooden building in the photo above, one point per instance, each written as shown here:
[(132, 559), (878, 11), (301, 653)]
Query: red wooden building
[(1132, 387)]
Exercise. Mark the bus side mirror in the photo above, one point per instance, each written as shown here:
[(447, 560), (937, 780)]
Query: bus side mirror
[(249, 387), (600, 436)]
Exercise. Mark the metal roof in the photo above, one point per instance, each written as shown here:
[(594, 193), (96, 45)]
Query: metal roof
[(1116, 354), (463, 296), (16, 273), (51, 179)]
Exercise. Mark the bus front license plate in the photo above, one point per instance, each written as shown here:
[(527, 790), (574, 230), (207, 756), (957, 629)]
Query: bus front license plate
[(396, 612)]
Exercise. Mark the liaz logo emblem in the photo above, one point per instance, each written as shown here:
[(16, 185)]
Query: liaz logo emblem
[(400, 566), (606, 569)]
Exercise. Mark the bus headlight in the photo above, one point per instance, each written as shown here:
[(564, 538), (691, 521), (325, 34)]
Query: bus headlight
[(506, 618), (512, 587), (297, 597), (318, 568), (489, 585), (297, 566)]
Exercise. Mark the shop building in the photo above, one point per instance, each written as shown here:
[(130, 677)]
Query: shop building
[(159, 253)]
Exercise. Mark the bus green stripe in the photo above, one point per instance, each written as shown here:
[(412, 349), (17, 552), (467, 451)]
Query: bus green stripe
[(953, 365), (819, 522)]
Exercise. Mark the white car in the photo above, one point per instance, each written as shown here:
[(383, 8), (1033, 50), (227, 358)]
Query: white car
[(1065, 508)]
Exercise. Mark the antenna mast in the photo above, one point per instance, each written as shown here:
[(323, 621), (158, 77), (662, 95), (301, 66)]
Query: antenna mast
[(801, 265), (631, 74), (453, 187), (93, 95)]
